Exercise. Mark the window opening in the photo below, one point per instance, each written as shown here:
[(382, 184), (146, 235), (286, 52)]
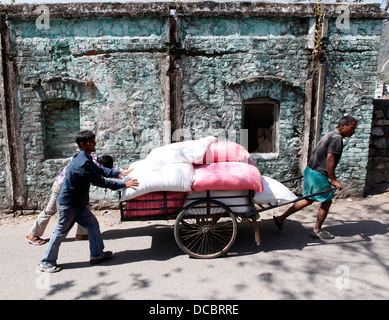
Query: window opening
[(259, 116)]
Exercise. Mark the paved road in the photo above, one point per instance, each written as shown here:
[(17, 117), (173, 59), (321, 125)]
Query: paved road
[(147, 263)]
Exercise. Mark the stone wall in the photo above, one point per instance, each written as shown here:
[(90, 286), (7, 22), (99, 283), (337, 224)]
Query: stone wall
[(231, 58), (351, 69), (114, 67), (145, 74), (241, 59), (378, 166)]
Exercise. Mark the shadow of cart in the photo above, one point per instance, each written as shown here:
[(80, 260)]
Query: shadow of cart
[(295, 236)]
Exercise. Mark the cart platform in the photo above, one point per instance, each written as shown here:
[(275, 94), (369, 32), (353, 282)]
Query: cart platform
[(205, 227)]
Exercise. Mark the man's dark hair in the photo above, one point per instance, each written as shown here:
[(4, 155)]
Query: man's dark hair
[(84, 136), (347, 120), (105, 160)]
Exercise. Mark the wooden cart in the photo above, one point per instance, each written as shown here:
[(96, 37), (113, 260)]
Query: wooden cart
[(205, 228)]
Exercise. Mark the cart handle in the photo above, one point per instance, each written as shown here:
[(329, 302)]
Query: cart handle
[(272, 206), (291, 179), (333, 188)]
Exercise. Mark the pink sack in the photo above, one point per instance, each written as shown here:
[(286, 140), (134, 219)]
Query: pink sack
[(225, 151), (227, 176)]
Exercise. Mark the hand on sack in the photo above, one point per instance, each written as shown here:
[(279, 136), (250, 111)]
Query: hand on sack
[(131, 183), (126, 171)]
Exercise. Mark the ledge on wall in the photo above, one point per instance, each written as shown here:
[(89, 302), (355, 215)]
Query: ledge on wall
[(182, 8)]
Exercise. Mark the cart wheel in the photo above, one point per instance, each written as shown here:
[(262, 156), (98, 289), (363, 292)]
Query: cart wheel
[(205, 229)]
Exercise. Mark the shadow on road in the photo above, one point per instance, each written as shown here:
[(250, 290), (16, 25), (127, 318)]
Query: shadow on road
[(294, 236)]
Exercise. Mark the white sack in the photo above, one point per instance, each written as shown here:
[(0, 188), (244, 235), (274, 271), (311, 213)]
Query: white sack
[(242, 201), (192, 151), (273, 192), (151, 177)]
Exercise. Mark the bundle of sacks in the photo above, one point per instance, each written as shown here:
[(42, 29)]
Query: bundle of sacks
[(188, 169), (228, 173), (168, 168)]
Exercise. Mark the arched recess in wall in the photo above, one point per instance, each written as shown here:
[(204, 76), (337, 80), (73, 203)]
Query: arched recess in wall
[(61, 101), (283, 103)]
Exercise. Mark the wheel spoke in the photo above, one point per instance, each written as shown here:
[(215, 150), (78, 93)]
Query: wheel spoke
[(205, 229)]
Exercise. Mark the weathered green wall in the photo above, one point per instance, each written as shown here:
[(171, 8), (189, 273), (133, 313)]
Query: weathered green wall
[(230, 60), (119, 59), (133, 70), (351, 69)]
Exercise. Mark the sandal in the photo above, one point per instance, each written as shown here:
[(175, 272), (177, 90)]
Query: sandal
[(36, 241), (322, 235), (49, 268)]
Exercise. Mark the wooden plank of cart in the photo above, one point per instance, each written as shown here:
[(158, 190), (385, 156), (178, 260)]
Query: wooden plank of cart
[(205, 228)]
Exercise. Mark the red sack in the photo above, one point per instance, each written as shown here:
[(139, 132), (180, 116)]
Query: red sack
[(152, 204)]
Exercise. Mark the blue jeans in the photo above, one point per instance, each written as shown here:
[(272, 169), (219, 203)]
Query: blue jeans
[(68, 215)]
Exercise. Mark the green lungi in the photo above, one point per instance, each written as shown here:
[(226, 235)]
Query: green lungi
[(315, 181)]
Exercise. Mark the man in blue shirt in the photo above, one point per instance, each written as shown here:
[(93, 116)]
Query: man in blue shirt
[(72, 202)]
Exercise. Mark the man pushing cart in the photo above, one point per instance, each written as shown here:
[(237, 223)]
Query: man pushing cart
[(227, 188), (203, 184)]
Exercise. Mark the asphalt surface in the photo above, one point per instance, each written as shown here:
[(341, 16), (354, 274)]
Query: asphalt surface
[(147, 263)]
